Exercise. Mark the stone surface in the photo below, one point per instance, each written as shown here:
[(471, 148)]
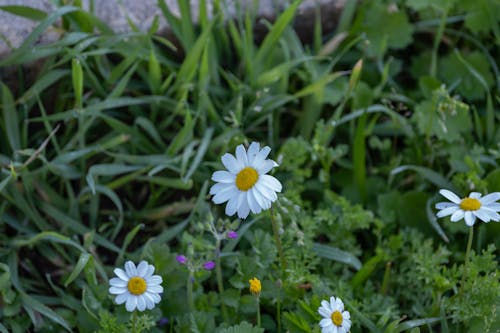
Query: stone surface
[(15, 29)]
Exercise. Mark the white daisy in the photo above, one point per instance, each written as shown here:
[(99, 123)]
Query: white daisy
[(245, 186), (335, 319), (137, 286), (474, 206)]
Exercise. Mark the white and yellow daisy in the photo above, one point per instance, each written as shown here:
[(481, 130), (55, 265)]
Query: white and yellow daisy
[(335, 319), (474, 206), (246, 186), (136, 286)]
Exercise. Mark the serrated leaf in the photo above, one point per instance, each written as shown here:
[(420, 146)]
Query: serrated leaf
[(243, 327)]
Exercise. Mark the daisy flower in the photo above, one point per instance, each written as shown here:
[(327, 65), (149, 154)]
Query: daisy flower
[(137, 287), (246, 186), (474, 206), (335, 319)]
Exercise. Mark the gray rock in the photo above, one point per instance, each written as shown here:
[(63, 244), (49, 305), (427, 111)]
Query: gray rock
[(14, 29)]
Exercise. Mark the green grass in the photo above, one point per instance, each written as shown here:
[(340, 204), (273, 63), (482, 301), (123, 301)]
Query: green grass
[(106, 155)]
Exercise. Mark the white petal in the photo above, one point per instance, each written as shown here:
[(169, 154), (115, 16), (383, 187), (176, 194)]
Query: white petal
[(494, 216), (122, 298), (225, 194), (232, 206), (346, 315), (490, 198), (443, 205), (151, 270), (141, 303), (243, 209), (271, 182), (457, 216), (117, 290), (469, 218), (252, 203), (328, 329), (261, 201), (325, 322), (121, 274), (116, 282), (130, 269), (231, 163), (131, 303), (223, 177), (347, 324), (447, 211), (261, 156), (241, 155), (154, 280), (266, 192), (475, 195), (155, 297), (150, 302), (265, 166), (142, 269), (327, 306), (218, 187), (155, 289), (493, 206), (324, 312), (450, 196), (253, 150), (482, 215)]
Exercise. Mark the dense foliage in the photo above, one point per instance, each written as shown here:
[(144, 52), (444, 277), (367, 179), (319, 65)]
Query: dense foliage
[(107, 154)]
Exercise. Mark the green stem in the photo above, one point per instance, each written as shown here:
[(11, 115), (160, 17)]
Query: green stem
[(258, 311), (278, 311), (278, 243), (134, 322), (220, 285), (437, 40), (467, 255), (190, 291)]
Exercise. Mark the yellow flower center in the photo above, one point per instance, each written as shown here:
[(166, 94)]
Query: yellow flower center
[(136, 285), (255, 286), (337, 318), (246, 178), (470, 204)]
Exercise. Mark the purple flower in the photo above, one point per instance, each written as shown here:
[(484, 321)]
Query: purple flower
[(209, 265), (163, 321), (181, 259), (232, 234)]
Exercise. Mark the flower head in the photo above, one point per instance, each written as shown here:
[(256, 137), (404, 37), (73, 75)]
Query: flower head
[(474, 206), (136, 286), (209, 265), (246, 186), (335, 319), (255, 286), (232, 234), (181, 259)]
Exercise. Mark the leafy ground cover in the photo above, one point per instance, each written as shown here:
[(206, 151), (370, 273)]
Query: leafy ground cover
[(107, 156)]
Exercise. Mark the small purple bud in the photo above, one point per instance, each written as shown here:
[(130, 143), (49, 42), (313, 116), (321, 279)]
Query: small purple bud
[(232, 234), (163, 321), (209, 265), (181, 259)]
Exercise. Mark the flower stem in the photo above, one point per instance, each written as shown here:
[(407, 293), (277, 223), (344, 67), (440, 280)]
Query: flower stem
[(467, 255), (134, 322), (278, 243), (258, 311), (190, 282), (278, 311), (220, 285)]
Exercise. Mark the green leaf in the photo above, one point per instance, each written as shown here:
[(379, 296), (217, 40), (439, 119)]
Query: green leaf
[(386, 27), (80, 265), (426, 173), (11, 119), (332, 253), (453, 70), (243, 327), (25, 11)]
